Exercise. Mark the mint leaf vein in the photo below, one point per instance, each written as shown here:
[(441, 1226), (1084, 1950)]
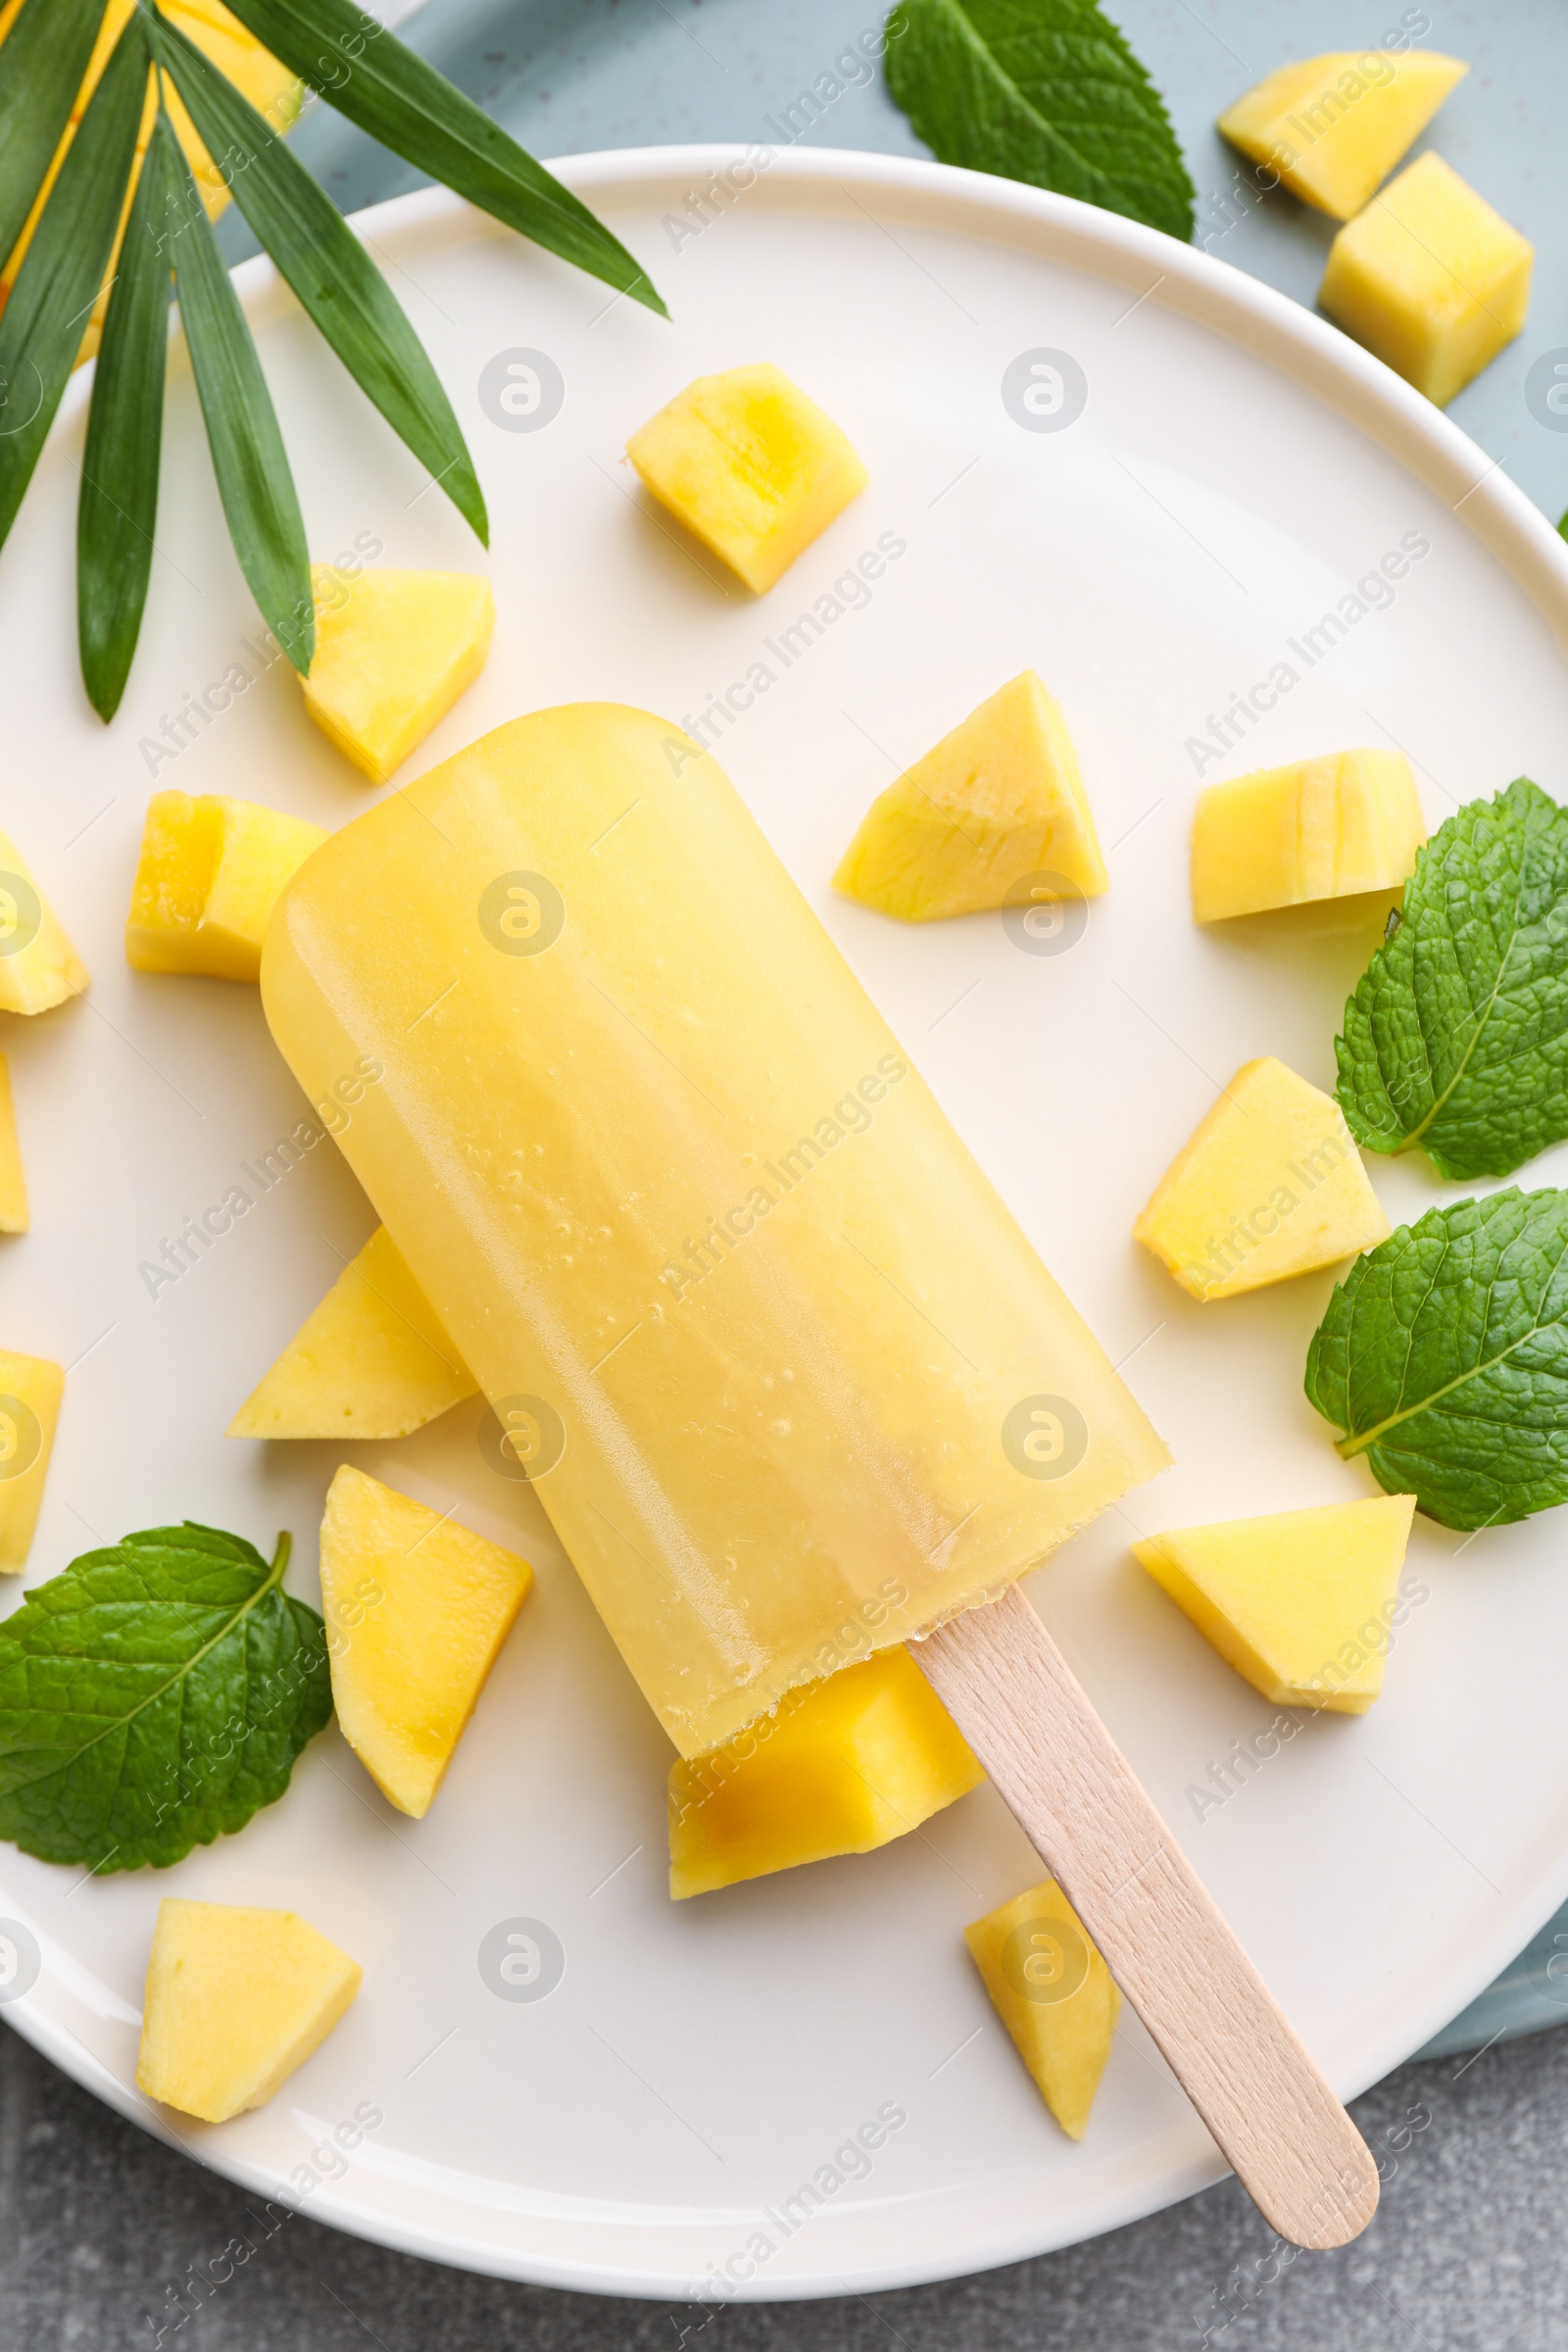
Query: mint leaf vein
[(1045, 91), (152, 1697), (1456, 1038), (1444, 1359)]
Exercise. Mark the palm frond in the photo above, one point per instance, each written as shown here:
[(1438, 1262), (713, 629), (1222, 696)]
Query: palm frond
[(117, 510), (368, 74), (64, 268), (330, 271), (42, 63), (249, 459)]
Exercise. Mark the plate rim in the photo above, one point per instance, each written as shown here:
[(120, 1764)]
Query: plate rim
[(1373, 398)]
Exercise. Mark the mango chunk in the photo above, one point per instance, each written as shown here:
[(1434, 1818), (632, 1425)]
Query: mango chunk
[(843, 1764), (995, 807), (1269, 1184), (209, 872), (236, 1999), (1300, 1603), (39, 965), (1321, 828), (30, 1389), (1334, 127), (1054, 1993), (394, 650), (12, 1178), (371, 1361), (1430, 278), (417, 1609), (750, 467)]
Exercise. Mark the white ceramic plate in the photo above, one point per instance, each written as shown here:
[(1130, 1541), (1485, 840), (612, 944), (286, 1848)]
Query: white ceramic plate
[(1236, 469)]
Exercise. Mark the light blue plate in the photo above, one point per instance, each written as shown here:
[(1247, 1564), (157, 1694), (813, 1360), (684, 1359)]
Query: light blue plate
[(565, 76)]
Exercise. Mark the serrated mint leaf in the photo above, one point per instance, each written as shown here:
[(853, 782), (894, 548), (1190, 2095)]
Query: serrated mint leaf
[(1045, 91), (154, 1696), (1456, 1038), (1444, 1358)]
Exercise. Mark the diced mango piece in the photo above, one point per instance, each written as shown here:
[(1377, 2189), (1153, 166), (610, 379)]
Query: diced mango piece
[(841, 1766), (1054, 1993), (1270, 1184), (39, 965), (272, 89), (394, 650), (209, 872), (994, 807), (417, 1609), (1321, 828), (750, 467), (1334, 127), (30, 1389), (371, 1361), (1430, 278), (236, 1999), (1300, 1603), (12, 1178)]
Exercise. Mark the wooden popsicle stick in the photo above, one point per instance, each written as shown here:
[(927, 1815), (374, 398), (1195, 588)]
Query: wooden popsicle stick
[(1015, 1700)]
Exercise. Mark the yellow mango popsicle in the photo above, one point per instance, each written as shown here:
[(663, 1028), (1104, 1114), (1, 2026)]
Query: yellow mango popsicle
[(792, 1383)]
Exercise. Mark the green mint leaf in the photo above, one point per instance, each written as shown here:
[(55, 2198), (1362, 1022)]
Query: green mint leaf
[(1444, 1358), (152, 1697), (387, 90), (260, 502), (330, 271), (1041, 91), (63, 271), (1456, 1038), (117, 514)]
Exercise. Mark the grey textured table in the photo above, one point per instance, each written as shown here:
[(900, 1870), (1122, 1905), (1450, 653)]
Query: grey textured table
[(100, 2228)]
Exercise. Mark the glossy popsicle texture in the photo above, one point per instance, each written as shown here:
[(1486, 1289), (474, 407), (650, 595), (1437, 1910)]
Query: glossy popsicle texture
[(792, 1382)]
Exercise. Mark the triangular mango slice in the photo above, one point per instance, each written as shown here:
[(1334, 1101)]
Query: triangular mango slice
[(39, 965), (1054, 1993), (1299, 1604), (13, 1216), (236, 1999), (1269, 1184), (393, 652), (417, 1609), (1334, 127), (994, 807), (371, 1361)]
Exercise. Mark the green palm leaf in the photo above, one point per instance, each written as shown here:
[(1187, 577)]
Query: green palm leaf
[(377, 83), (249, 460), (119, 506), (41, 67), (330, 271), (366, 75), (42, 324)]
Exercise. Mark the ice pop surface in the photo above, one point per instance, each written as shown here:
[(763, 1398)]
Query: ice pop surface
[(791, 1382)]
